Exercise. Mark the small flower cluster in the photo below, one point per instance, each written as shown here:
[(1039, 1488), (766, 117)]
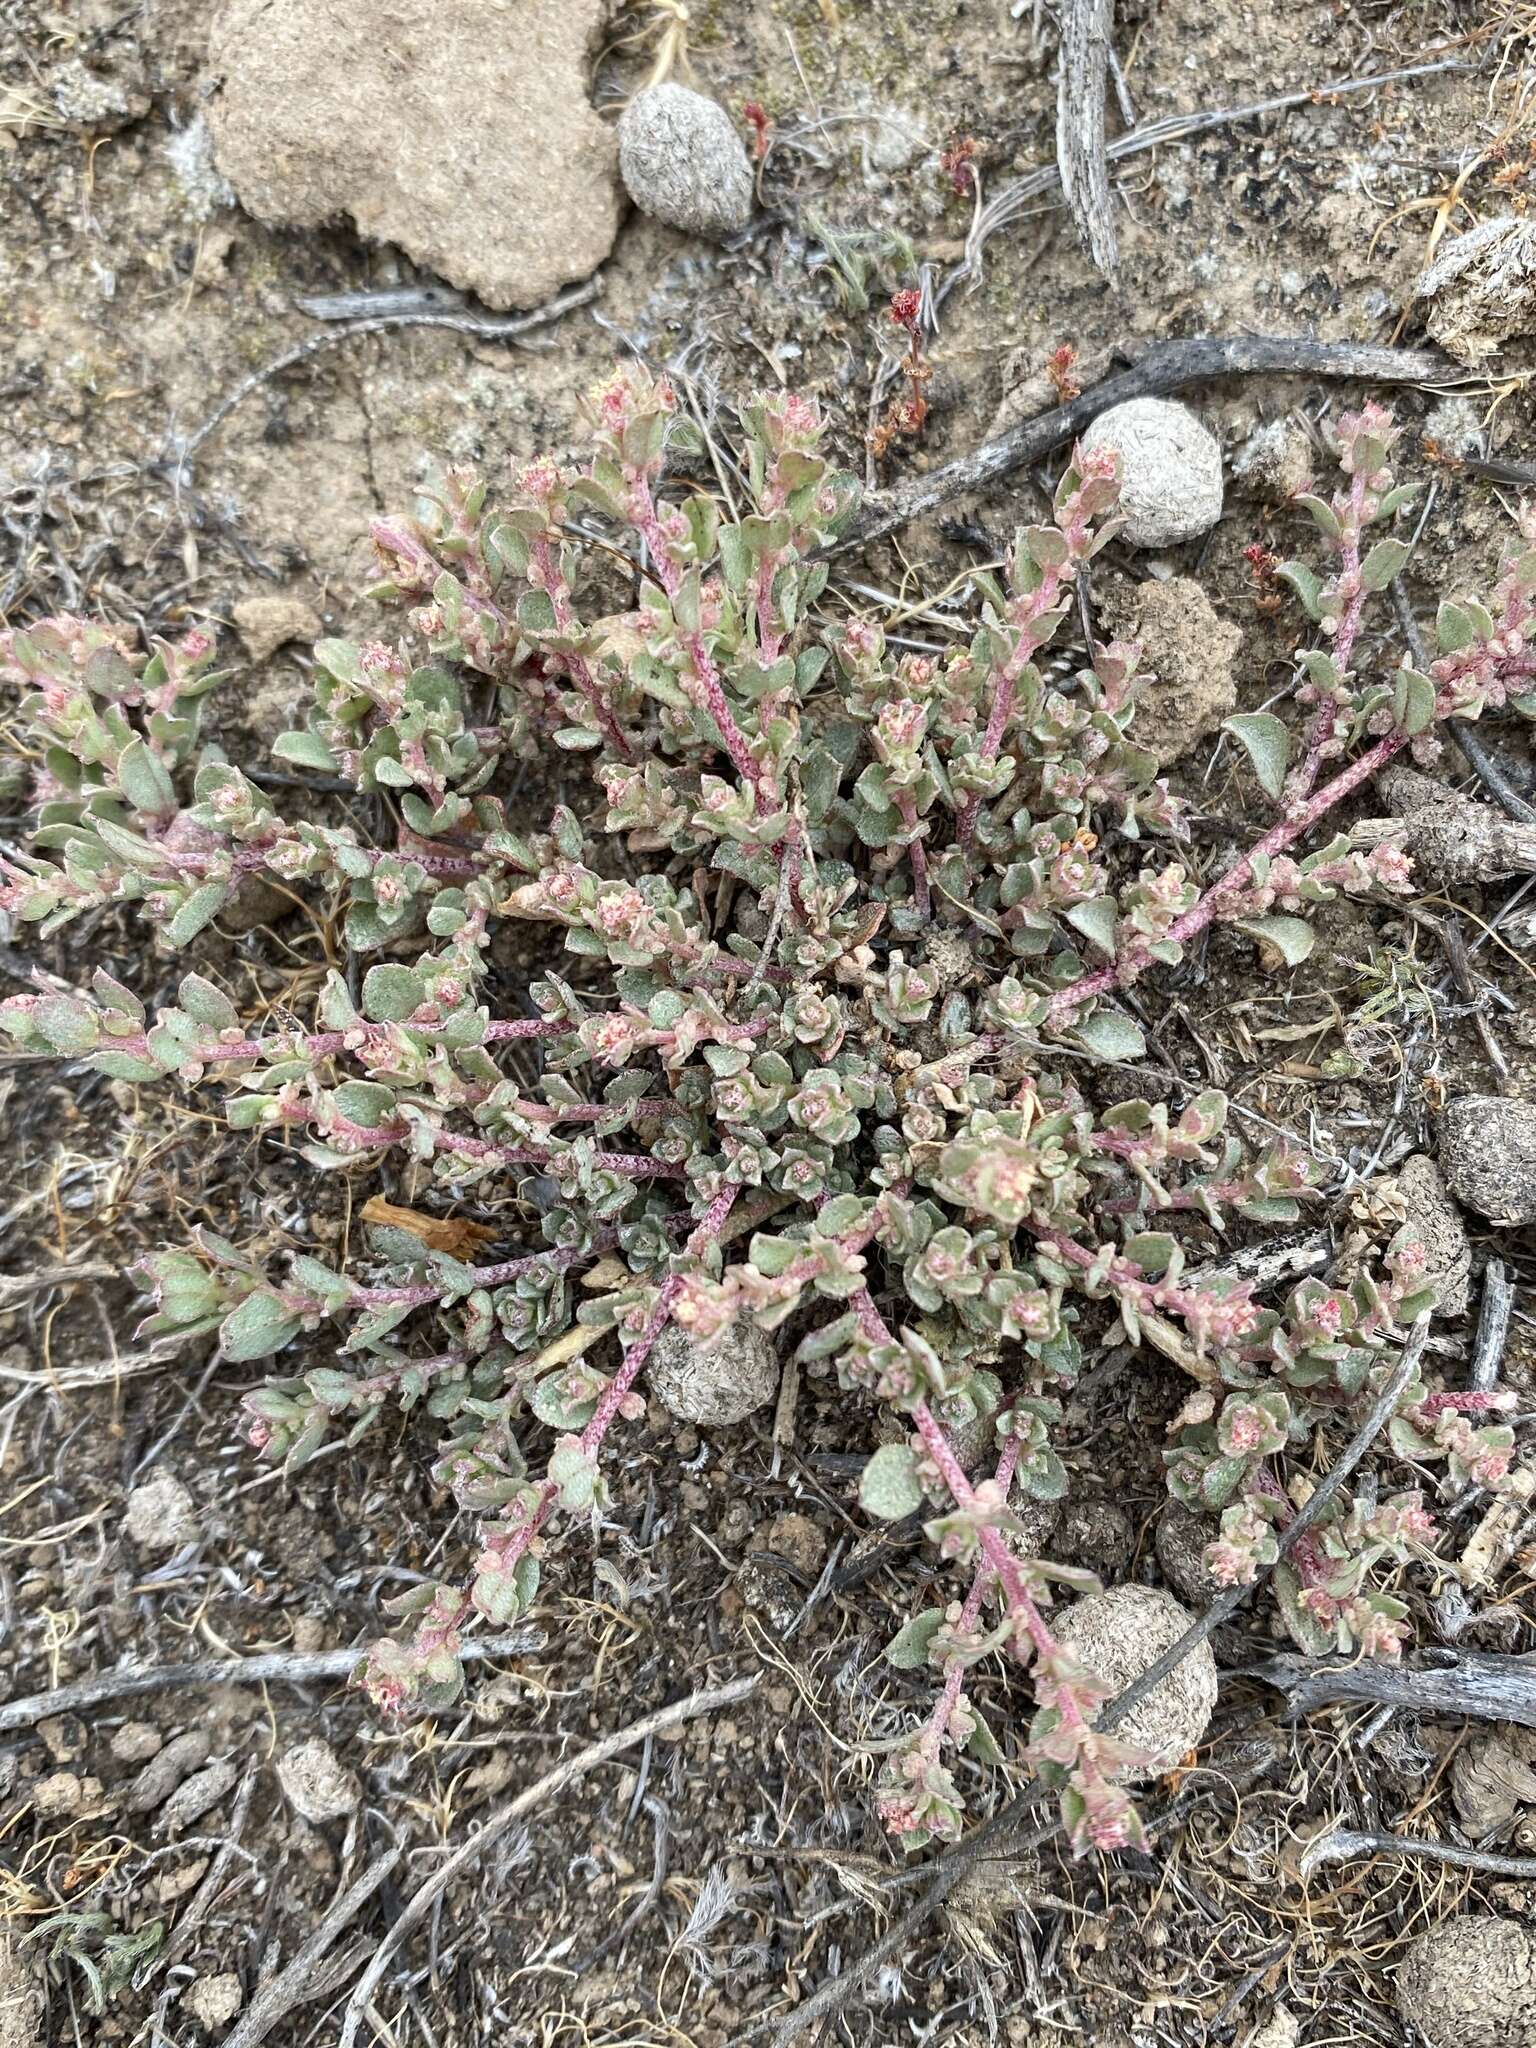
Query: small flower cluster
[(841, 923)]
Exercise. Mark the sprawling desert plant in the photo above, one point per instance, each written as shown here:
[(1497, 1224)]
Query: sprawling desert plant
[(849, 931)]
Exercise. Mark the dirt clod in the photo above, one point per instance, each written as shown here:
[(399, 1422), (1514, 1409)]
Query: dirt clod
[(136, 1742), (1480, 291), (1097, 1534), (484, 161), (214, 2001), (1117, 1634), (1490, 1782), (62, 1794), (1181, 1540), (718, 1384), (1191, 651), (161, 1514), (1488, 1155), (1471, 1983), (1275, 462), (682, 161), (315, 1782), (267, 623), (1420, 1185), (1170, 470), (797, 1538)]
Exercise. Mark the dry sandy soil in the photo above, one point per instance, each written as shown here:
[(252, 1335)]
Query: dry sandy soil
[(700, 1883)]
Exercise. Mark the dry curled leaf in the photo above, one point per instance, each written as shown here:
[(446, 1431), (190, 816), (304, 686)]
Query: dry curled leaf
[(455, 1235)]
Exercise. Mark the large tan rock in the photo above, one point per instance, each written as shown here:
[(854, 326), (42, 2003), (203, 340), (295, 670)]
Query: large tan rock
[(465, 135)]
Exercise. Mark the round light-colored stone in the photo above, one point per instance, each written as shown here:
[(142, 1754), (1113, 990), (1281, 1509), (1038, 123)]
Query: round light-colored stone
[(1118, 1634), (161, 1514), (1170, 470), (717, 1384), (682, 161), (1471, 1983), (316, 1783), (1488, 1156)]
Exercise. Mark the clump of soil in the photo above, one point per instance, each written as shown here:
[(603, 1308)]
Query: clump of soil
[(1471, 1983), (495, 171), (1481, 288), (1488, 1153), (1189, 648)]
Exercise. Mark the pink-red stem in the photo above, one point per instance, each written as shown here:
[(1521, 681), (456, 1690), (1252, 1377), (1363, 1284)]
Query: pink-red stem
[(1299, 818)]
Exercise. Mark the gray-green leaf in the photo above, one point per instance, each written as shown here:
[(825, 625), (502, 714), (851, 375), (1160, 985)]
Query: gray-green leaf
[(889, 1487), (1268, 745)]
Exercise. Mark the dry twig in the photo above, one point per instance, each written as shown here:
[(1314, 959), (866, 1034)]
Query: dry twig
[(1166, 366), (1342, 1845), (298, 1982), (1086, 28), (279, 1668), (480, 327), (1486, 1686)]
